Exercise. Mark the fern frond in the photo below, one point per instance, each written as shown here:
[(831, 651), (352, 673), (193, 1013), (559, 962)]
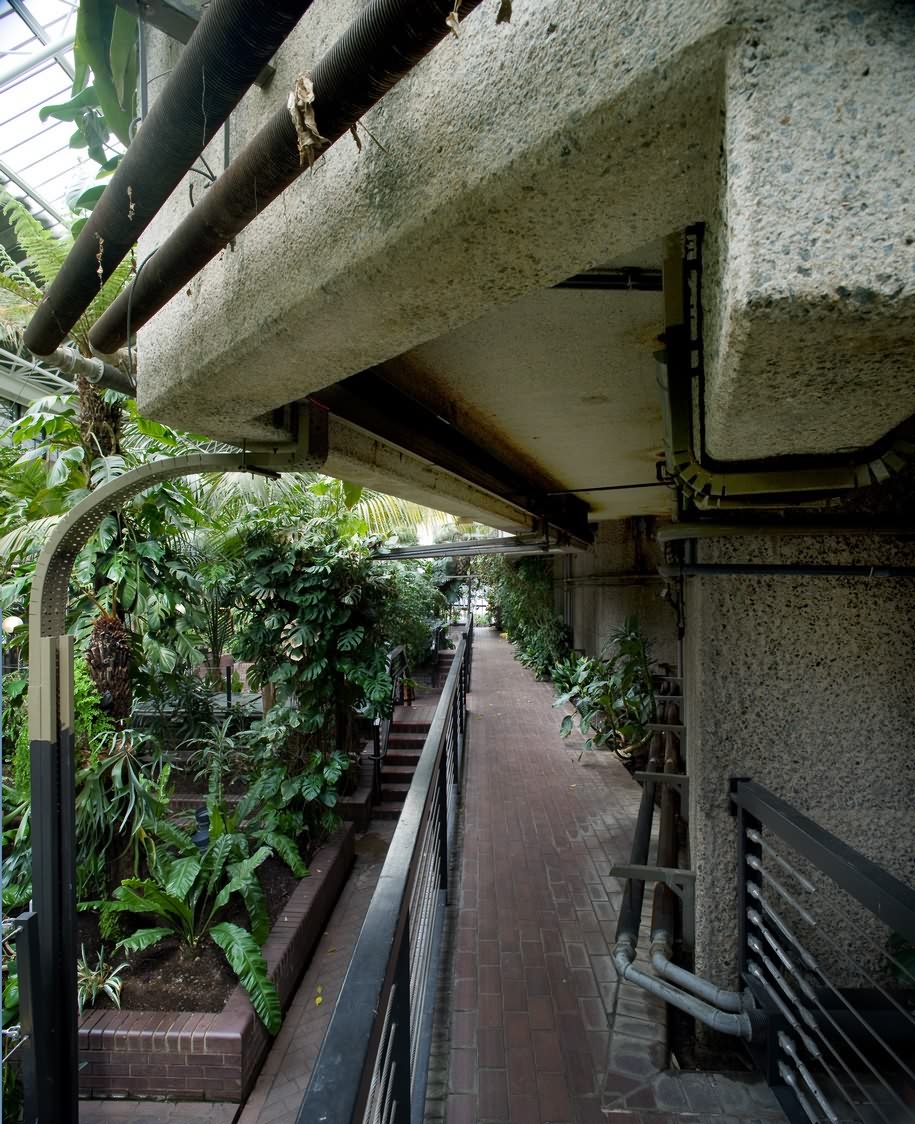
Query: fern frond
[(45, 251), (249, 965)]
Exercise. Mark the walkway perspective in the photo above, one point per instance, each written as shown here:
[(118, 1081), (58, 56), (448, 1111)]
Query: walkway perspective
[(526, 1014), (532, 1024)]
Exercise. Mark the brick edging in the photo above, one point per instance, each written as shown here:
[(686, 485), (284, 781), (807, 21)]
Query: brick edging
[(213, 1056)]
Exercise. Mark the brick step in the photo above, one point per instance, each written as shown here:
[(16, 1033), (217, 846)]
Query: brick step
[(402, 757), (417, 728), (394, 793), (401, 741), (399, 774), (387, 811)]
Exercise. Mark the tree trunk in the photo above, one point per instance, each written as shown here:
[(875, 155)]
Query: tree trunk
[(99, 423), (108, 657)]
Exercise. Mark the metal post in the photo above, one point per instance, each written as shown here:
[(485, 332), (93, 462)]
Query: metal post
[(32, 1032), (401, 1092), (443, 821), (54, 880), (228, 687)]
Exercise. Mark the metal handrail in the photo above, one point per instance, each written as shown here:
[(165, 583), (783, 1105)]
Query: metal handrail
[(373, 1061), (839, 1034)]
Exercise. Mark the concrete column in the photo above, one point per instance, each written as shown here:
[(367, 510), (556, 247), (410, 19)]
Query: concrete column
[(617, 579), (804, 684)]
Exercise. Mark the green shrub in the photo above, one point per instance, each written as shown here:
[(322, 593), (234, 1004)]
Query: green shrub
[(614, 695)]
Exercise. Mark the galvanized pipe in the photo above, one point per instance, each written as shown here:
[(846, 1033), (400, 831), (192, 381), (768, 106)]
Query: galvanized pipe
[(735, 1024), (229, 48), (381, 46), (96, 371)]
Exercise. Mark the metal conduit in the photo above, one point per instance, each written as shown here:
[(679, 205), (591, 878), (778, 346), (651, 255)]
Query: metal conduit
[(695, 997), (381, 46), (789, 569), (229, 48), (663, 913)]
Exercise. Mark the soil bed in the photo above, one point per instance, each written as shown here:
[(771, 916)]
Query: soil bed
[(173, 977)]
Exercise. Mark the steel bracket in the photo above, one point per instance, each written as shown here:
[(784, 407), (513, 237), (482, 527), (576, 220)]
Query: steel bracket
[(683, 884), (679, 781)]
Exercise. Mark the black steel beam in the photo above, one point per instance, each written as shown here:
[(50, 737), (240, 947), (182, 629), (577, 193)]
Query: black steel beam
[(370, 402), (624, 278)]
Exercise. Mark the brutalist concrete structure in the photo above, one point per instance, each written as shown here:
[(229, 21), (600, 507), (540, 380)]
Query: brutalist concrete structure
[(567, 148)]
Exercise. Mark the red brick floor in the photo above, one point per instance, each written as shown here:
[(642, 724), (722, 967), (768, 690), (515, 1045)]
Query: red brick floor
[(532, 980)]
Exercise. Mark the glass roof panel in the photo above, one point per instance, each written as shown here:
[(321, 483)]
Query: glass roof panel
[(37, 152)]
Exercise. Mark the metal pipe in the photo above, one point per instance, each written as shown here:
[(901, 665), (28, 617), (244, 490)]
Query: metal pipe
[(630, 918), (29, 62), (736, 1024), (708, 529), (753, 569), (96, 371), (382, 45), (232, 43)]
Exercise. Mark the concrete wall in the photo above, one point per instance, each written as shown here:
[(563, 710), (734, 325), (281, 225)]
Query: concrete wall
[(804, 684), (614, 580)]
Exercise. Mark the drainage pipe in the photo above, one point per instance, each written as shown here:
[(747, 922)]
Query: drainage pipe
[(382, 45), (753, 569), (736, 1024), (630, 918), (229, 48), (664, 906), (96, 371)]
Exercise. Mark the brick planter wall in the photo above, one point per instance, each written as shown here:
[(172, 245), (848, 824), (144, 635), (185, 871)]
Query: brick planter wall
[(216, 1056)]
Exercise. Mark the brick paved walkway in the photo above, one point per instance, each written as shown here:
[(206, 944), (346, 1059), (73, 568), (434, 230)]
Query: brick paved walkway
[(525, 1016), (532, 975)]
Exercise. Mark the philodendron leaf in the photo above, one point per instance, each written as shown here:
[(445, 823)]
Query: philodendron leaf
[(565, 727), (249, 965)]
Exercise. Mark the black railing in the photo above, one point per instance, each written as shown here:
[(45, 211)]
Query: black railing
[(827, 948), (374, 1059), (401, 695)]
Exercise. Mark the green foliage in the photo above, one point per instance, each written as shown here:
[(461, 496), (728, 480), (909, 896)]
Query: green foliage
[(520, 593), (185, 893), (220, 752), (614, 695), (106, 45), (97, 979), (415, 603), (308, 618), (12, 1085)]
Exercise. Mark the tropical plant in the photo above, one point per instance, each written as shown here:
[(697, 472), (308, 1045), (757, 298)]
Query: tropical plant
[(219, 752), (97, 979), (185, 894), (613, 695), (520, 593), (415, 604), (12, 1085), (121, 793), (103, 96)]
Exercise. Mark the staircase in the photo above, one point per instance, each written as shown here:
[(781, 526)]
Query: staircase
[(404, 747), (442, 667)]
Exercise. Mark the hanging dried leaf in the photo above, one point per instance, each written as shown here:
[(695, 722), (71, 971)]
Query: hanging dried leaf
[(301, 109), (453, 18), (504, 14), (355, 133)]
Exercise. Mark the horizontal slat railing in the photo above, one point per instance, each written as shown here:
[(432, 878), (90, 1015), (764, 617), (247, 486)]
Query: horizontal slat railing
[(826, 947), (373, 1061)]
